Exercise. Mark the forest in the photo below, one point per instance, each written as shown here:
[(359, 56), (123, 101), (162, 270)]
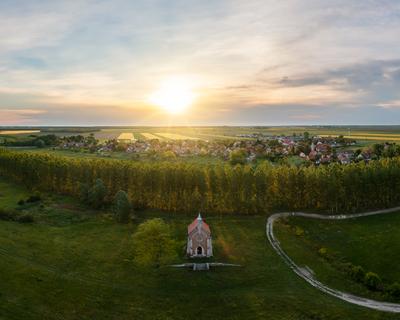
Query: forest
[(217, 188)]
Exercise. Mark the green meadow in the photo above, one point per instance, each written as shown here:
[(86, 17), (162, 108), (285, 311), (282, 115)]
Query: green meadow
[(372, 243), (76, 263)]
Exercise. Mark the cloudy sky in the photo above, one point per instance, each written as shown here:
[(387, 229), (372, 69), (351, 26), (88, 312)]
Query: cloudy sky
[(263, 62)]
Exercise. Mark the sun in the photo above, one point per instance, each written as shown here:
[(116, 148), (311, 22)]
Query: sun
[(175, 95)]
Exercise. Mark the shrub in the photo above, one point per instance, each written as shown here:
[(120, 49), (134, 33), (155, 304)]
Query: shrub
[(7, 215), (21, 202), (345, 266), (357, 273), (322, 251), (25, 218), (299, 231), (13, 215), (394, 290), (34, 198), (372, 281)]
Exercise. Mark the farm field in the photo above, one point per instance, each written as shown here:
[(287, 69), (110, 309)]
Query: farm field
[(368, 134), (150, 136), (363, 138), (370, 242), (74, 263), (174, 136), (126, 136), (13, 132)]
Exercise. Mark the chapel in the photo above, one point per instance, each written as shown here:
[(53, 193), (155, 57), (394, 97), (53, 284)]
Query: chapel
[(199, 242)]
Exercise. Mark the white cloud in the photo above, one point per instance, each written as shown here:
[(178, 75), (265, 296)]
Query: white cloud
[(115, 53)]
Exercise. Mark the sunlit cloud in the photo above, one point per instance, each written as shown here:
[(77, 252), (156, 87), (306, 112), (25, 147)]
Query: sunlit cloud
[(244, 55), (390, 104), (19, 116)]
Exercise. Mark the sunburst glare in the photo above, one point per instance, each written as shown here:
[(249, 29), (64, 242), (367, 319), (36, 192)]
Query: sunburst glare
[(174, 96)]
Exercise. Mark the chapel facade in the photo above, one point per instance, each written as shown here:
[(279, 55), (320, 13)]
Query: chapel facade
[(199, 241)]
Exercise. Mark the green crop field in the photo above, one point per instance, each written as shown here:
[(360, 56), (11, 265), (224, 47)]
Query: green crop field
[(75, 263), (370, 242)]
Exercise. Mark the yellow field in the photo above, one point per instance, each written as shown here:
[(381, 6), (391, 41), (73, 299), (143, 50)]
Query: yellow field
[(223, 137), (149, 136), (379, 137), (386, 135), (174, 136), (18, 131), (126, 136)]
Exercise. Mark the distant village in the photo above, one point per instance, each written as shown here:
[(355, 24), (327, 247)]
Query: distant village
[(247, 148)]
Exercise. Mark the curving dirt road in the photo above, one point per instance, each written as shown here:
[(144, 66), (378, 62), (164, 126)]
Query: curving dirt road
[(307, 276)]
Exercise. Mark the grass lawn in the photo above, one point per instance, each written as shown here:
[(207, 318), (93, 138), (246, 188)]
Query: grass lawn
[(74, 263), (370, 242)]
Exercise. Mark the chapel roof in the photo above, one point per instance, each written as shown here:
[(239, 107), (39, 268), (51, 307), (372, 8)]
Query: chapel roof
[(198, 220)]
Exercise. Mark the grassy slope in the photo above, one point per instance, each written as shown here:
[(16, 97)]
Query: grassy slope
[(77, 264), (371, 242)]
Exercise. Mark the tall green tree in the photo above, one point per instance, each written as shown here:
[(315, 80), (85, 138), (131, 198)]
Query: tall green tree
[(40, 143), (84, 192), (97, 194), (153, 244), (122, 207), (219, 188), (238, 156)]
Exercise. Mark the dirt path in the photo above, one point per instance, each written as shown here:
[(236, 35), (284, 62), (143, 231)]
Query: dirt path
[(307, 276)]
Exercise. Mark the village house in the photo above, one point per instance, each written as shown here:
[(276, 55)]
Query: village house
[(322, 147), (199, 242), (344, 157)]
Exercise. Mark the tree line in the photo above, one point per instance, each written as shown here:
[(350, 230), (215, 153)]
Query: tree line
[(218, 188), (33, 141)]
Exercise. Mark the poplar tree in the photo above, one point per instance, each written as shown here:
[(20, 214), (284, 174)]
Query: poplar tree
[(97, 194), (122, 207)]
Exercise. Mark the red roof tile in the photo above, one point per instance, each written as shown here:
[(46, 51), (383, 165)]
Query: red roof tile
[(193, 225)]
